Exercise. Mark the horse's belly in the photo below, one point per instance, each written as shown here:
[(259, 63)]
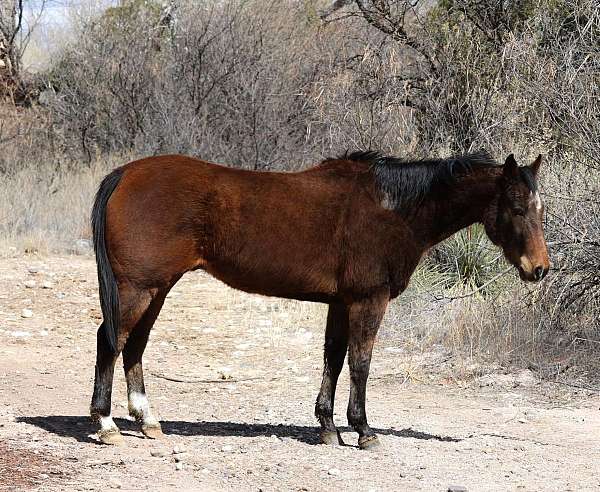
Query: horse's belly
[(310, 284)]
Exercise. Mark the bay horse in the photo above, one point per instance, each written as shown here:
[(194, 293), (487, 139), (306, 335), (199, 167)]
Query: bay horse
[(348, 232)]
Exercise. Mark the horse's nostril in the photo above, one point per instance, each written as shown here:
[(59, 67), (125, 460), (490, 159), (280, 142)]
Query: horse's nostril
[(538, 273)]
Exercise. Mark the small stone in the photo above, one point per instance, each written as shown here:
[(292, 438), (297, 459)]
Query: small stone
[(158, 453), (20, 334), (456, 488), (179, 466), (47, 285), (43, 333), (82, 246), (26, 313), (227, 448), (33, 270), (178, 450), (30, 284), (115, 484), (179, 457), (334, 472)]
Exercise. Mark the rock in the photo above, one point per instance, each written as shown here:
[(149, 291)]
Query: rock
[(30, 284), (33, 270), (43, 333), (115, 484), (180, 457), (224, 373), (227, 448), (456, 488), (178, 450), (525, 377), (158, 453), (47, 285), (26, 313), (179, 466), (20, 334), (82, 246), (334, 472), (496, 380)]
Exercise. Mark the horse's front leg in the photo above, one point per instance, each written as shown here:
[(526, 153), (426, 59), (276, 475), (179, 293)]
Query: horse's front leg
[(336, 342), (364, 317)]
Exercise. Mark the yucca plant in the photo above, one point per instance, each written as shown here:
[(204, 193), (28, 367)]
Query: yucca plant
[(467, 261)]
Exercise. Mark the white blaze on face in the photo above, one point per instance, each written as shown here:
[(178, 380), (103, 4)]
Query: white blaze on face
[(537, 201), (526, 264)]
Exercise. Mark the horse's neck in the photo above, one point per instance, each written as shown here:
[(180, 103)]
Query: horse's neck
[(462, 204)]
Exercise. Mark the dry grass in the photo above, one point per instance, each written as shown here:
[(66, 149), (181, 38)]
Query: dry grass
[(45, 209)]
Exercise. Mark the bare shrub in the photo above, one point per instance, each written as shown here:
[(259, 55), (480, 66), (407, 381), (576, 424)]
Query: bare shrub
[(229, 84)]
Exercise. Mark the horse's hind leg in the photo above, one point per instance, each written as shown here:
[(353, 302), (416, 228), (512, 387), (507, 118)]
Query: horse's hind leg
[(101, 400), (133, 305), (132, 364), (336, 343)]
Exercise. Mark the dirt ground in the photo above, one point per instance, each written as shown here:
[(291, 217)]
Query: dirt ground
[(240, 415)]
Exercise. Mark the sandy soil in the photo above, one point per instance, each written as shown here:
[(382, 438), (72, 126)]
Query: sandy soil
[(241, 415)]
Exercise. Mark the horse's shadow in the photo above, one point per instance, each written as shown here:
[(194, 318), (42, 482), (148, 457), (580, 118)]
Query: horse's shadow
[(80, 428)]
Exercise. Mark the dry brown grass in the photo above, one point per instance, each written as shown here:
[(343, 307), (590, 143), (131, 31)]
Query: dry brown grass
[(45, 208)]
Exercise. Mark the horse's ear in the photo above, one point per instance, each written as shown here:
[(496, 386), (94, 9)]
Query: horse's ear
[(511, 168), (535, 167)]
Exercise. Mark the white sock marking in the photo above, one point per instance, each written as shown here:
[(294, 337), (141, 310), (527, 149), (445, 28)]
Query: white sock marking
[(107, 423), (139, 407), (139, 403)]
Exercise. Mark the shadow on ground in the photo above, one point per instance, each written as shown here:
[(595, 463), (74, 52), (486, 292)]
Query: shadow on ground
[(80, 428)]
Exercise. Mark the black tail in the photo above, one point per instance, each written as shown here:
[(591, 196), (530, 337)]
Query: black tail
[(109, 292)]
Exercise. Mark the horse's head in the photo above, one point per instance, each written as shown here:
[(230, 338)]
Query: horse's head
[(514, 220)]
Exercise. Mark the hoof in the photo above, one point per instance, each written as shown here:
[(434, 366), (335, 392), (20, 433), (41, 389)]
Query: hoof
[(111, 437), (153, 431), (331, 438), (369, 442)]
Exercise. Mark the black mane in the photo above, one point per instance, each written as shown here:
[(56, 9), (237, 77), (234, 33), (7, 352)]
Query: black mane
[(405, 183)]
